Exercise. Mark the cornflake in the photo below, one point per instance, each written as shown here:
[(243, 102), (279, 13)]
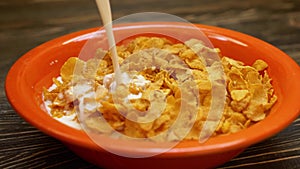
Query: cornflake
[(249, 92)]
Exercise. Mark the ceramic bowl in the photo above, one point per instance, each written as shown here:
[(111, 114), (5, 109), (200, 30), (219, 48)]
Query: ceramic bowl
[(36, 69)]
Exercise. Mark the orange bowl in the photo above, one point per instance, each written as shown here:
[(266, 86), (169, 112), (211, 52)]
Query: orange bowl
[(36, 69)]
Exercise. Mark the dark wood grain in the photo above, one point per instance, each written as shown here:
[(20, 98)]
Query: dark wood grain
[(25, 24)]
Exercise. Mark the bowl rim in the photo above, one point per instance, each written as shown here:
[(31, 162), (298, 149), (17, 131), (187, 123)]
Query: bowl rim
[(214, 145)]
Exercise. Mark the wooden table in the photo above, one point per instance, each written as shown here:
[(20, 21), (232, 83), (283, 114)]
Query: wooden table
[(25, 24)]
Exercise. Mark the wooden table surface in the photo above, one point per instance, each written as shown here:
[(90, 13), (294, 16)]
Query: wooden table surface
[(24, 24)]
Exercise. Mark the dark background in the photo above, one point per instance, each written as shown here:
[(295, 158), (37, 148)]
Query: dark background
[(24, 24)]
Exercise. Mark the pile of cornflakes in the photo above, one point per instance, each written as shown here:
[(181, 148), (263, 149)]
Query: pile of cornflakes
[(155, 90)]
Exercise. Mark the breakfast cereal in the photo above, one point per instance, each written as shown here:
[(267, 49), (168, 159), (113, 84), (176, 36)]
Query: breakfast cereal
[(148, 102)]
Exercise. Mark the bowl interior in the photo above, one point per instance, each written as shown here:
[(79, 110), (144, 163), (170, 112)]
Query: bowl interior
[(36, 69)]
